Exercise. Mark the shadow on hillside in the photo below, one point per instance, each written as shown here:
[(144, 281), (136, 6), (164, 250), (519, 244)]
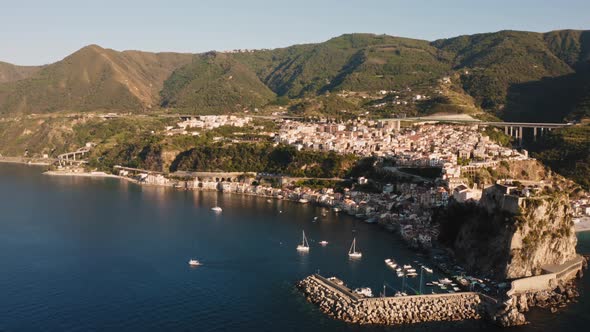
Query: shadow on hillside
[(548, 100)]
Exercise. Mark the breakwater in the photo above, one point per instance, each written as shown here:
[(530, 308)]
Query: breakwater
[(341, 303)]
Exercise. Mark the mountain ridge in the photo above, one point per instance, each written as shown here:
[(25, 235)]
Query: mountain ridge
[(503, 72)]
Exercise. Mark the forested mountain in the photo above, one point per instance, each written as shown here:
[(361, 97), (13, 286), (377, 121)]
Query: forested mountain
[(90, 79), (511, 74)]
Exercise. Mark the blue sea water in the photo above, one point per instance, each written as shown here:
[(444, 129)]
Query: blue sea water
[(81, 254)]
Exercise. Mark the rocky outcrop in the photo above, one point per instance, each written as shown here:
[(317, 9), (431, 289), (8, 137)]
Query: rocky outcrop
[(511, 313), (340, 303), (507, 236)]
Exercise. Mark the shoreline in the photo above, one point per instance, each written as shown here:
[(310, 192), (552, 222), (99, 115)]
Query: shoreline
[(23, 161)]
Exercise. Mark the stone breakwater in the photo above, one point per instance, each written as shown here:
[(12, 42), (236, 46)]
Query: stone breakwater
[(340, 303)]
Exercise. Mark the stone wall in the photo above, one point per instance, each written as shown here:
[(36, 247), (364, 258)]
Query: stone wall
[(339, 302)]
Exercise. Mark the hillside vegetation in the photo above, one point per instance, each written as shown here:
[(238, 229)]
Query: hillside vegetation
[(512, 74), (11, 73), (92, 79)]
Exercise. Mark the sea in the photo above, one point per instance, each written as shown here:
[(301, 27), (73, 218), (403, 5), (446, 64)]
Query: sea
[(103, 254)]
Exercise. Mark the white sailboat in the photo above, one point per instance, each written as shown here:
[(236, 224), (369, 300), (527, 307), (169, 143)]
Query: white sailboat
[(304, 246), (352, 253)]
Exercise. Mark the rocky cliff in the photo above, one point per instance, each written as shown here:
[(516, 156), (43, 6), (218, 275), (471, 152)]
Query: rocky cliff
[(507, 236)]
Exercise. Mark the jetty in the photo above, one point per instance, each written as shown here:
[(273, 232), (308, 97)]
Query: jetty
[(338, 301)]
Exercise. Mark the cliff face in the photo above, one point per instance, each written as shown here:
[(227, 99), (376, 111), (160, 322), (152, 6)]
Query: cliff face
[(544, 235), (510, 237)]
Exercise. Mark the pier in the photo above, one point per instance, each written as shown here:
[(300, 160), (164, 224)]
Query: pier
[(339, 302)]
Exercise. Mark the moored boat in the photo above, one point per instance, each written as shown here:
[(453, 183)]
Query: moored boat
[(304, 246), (352, 253), (194, 262)]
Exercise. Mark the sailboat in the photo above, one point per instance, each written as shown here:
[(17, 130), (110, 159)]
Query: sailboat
[(352, 253), (304, 246)]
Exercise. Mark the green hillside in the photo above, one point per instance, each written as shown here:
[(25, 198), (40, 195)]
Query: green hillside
[(214, 82), (511, 74), (92, 79)]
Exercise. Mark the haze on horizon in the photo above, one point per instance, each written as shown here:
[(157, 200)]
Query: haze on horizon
[(41, 32)]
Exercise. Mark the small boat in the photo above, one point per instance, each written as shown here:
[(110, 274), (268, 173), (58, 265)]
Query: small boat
[(304, 246), (407, 267), (268, 201), (400, 274), (427, 269), (412, 274), (324, 243), (411, 270), (446, 281), (399, 269), (456, 289), (387, 261), (216, 209), (364, 291), (194, 262), (352, 253), (336, 209), (443, 287), (371, 220), (303, 201), (429, 284), (315, 219)]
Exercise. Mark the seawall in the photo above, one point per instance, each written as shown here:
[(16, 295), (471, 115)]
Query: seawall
[(341, 303)]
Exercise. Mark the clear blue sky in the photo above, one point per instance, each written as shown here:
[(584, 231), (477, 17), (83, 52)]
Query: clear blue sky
[(38, 32)]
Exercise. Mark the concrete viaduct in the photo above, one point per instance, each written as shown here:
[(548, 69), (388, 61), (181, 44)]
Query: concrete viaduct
[(515, 129)]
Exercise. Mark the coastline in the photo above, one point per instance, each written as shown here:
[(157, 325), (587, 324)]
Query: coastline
[(25, 161)]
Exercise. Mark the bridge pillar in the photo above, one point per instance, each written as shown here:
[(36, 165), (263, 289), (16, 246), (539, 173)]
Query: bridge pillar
[(535, 133), (511, 131), (505, 130)]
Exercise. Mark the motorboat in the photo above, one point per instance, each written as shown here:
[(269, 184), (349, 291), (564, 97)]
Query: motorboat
[(194, 262), (364, 291), (304, 246), (216, 209), (352, 253), (446, 281), (407, 267), (303, 201), (324, 243), (336, 209), (400, 274), (411, 270)]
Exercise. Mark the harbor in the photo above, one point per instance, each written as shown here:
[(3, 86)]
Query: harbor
[(337, 300)]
